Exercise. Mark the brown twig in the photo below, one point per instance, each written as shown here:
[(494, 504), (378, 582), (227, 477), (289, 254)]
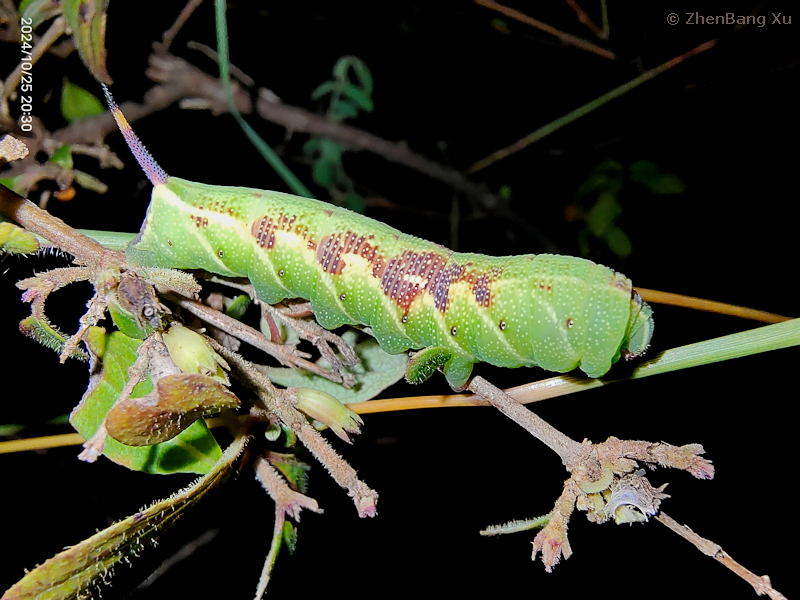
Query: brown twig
[(565, 38), (595, 469), (36, 220), (568, 449), (180, 21), (286, 355), (581, 111), (97, 308), (761, 585), (286, 499), (236, 72), (321, 338), (584, 19)]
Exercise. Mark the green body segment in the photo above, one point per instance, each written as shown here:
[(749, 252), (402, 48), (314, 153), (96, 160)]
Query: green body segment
[(557, 312)]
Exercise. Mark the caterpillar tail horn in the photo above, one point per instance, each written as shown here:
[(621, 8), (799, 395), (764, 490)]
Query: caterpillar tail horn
[(151, 168)]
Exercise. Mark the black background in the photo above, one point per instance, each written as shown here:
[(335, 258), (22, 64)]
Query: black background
[(456, 88)]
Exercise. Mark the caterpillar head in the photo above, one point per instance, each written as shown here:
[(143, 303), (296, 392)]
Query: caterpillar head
[(640, 328)]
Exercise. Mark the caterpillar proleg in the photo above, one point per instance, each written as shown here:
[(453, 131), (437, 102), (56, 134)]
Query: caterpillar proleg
[(555, 312)]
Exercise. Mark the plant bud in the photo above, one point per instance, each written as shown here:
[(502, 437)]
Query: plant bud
[(328, 410), (192, 354)]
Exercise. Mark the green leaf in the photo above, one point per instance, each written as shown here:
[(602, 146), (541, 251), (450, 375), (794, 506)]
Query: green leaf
[(359, 67), (77, 103), (237, 307), (343, 110), (13, 183), (63, 156), (376, 371), (193, 451), (313, 147), (341, 67), (603, 214), (289, 536), (39, 11), (645, 172), (87, 19), (293, 469), (354, 202), (323, 88), (69, 574), (669, 184), (323, 172), (618, 242), (364, 76), (358, 96), (11, 429), (608, 176)]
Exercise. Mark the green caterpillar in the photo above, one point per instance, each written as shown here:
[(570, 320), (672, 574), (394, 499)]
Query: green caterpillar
[(555, 312)]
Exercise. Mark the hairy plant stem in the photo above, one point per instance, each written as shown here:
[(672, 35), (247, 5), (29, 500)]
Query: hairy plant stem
[(36, 220), (280, 403), (568, 449), (287, 355)]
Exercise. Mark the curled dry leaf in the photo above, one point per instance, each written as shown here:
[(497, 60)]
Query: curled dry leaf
[(177, 402)]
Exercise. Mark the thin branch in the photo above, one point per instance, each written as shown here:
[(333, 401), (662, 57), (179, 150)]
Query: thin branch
[(213, 55), (584, 110), (567, 449), (320, 337), (565, 38), (286, 355), (761, 585), (584, 19), (288, 501), (180, 21), (36, 220)]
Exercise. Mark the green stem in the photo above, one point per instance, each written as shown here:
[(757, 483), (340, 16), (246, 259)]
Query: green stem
[(737, 345)]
